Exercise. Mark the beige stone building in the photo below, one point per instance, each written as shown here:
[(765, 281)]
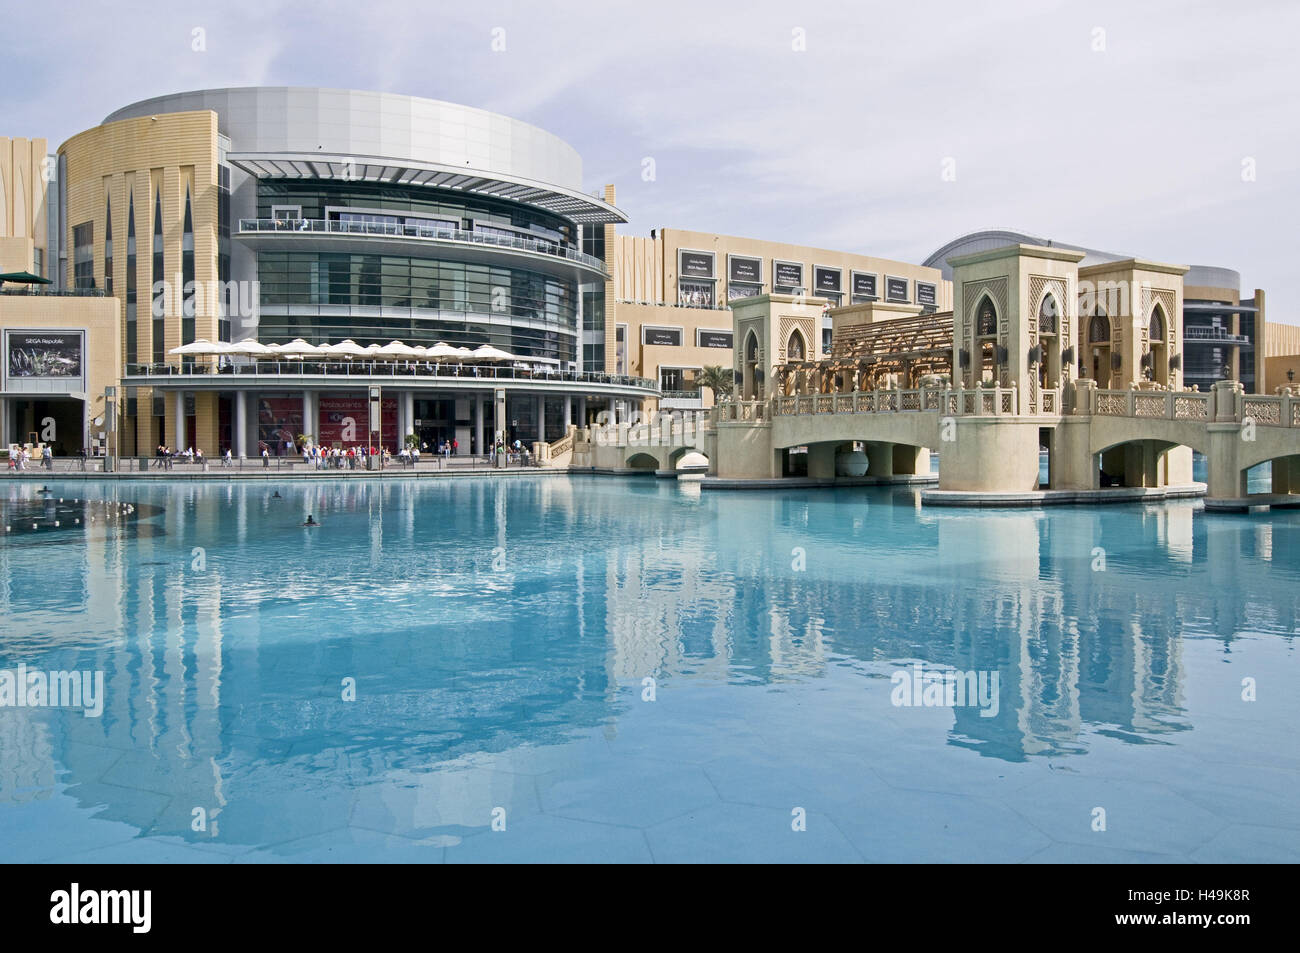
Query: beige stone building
[(671, 294)]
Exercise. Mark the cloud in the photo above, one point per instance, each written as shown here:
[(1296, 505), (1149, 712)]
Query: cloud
[(1116, 125)]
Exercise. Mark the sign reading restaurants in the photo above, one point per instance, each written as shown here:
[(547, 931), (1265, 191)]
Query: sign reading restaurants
[(895, 288), (925, 293)]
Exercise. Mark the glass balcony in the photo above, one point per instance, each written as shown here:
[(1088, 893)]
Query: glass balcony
[(417, 232)]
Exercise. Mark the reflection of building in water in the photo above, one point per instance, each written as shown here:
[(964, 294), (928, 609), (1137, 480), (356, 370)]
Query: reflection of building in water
[(219, 698)]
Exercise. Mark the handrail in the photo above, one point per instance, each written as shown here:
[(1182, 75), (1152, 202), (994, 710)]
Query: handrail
[(413, 368), (419, 233)]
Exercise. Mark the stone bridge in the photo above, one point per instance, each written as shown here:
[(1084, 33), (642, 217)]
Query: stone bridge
[(1095, 439)]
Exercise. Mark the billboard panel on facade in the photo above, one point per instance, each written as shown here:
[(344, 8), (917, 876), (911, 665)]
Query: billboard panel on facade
[(786, 275), (744, 269), (864, 285), (895, 288), (826, 279), (45, 355), (694, 264)]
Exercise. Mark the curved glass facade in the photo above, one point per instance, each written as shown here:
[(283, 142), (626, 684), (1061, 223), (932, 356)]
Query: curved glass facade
[(331, 201), (325, 298)]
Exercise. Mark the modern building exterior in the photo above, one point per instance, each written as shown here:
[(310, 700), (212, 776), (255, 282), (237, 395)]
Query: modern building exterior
[(1222, 332), (278, 214), (59, 349), (672, 294), (353, 221)]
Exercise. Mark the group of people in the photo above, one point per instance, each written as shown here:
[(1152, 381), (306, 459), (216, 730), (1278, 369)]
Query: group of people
[(336, 458), (167, 456), (18, 458), (514, 452)]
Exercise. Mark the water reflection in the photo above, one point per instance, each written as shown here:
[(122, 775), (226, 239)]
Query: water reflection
[(482, 620)]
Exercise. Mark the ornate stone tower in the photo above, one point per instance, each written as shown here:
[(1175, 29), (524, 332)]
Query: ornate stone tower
[(1014, 318), (1131, 326), (769, 330)]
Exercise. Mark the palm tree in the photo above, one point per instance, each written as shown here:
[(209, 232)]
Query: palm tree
[(721, 380)]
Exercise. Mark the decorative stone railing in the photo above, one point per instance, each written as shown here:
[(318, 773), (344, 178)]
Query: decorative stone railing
[(563, 445), (1225, 402), (664, 430), (987, 402), (740, 410)]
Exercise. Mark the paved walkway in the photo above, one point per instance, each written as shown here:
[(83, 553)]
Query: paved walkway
[(281, 468)]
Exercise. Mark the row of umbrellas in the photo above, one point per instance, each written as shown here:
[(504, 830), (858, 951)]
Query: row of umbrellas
[(394, 350)]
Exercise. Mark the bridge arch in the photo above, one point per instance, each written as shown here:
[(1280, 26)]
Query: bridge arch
[(677, 453)]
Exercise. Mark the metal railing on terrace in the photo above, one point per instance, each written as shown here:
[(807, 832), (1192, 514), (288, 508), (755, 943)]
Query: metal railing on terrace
[(395, 369), (417, 232), (42, 291), (1221, 335)]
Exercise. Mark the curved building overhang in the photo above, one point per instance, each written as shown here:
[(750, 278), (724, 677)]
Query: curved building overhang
[(579, 269), (613, 386), (567, 203)]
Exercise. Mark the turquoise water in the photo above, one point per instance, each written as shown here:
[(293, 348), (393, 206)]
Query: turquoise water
[(499, 635)]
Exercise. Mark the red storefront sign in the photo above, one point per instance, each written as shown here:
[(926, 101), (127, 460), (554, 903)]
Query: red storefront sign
[(345, 421)]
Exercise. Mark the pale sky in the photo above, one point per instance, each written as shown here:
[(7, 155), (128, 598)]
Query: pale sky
[(1161, 129)]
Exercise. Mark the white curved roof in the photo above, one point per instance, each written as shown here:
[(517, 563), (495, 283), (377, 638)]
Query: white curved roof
[(409, 131)]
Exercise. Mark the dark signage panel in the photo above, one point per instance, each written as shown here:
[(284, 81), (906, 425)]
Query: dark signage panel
[(787, 274), (713, 338), (56, 354), (896, 289), (864, 285), (745, 269), (663, 337), (924, 293), (696, 264), (826, 279)]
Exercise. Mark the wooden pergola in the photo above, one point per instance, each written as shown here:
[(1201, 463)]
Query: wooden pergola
[(861, 356)]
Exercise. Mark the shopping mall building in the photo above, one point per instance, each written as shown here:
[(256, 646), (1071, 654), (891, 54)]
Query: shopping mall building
[(224, 263)]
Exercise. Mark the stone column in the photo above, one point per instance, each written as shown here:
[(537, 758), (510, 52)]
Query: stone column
[(499, 417), (541, 418), (240, 449), (309, 414), (178, 420), (613, 412), (582, 411), (568, 413), (407, 403), (478, 424)]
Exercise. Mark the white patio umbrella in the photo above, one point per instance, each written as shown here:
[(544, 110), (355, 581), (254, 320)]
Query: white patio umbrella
[(441, 350), (397, 349), (299, 348), (489, 353), (348, 349), (250, 346), (197, 347)]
